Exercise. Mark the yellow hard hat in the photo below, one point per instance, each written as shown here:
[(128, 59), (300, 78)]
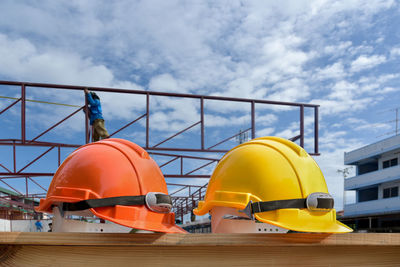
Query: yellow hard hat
[(274, 181)]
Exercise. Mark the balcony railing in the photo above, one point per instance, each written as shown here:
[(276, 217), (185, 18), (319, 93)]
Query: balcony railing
[(371, 178), (372, 150), (380, 206)]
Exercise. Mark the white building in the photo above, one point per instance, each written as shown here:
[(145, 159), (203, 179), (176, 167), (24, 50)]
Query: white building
[(376, 184)]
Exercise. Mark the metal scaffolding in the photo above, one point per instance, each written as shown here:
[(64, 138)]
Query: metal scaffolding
[(183, 204)]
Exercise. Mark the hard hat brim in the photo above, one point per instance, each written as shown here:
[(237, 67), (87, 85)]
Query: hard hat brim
[(148, 220), (303, 220)]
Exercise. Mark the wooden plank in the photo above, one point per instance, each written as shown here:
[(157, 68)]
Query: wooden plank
[(96, 249), (122, 239), (198, 256)]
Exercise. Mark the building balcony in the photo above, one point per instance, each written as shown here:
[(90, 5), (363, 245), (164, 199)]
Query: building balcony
[(372, 178), (372, 150), (374, 207)]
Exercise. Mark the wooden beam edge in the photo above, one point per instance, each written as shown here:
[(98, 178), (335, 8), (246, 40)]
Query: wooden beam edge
[(156, 239)]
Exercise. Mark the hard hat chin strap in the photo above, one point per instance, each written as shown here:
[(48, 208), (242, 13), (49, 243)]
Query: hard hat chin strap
[(157, 202), (314, 202)]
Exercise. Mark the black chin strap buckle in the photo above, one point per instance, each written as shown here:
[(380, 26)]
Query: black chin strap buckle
[(248, 210)]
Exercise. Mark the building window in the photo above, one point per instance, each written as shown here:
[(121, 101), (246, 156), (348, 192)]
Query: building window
[(368, 194), (389, 163), (367, 167), (391, 192)]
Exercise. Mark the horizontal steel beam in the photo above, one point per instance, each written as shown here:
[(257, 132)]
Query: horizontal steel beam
[(154, 93), (34, 174)]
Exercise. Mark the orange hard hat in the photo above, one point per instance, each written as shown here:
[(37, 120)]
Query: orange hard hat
[(117, 181)]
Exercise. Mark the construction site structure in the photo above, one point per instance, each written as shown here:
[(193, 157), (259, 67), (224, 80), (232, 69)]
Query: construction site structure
[(375, 206), (14, 206), (207, 151)]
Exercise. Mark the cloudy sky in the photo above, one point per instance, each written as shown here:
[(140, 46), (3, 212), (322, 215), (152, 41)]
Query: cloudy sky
[(341, 55)]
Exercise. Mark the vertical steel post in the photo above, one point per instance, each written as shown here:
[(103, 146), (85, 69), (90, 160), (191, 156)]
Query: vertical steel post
[(59, 155), (26, 186), (181, 213), (23, 102), (14, 158), (181, 165), (202, 121), (316, 130), (253, 120), (190, 195), (86, 121), (302, 126), (147, 118)]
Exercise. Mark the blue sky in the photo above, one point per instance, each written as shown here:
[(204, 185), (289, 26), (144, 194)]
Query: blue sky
[(342, 55)]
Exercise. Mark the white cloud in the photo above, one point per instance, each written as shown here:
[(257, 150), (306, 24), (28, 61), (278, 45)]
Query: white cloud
[(334, 71), (356, 95), (22, 60), (164, 82), (380, 40), (362, 10), (291, 90), (395, 52), (284, 54), (343, 105), (266, 119), (388, 90), (343, 90), (338, 49), (373, 127), (214, 120), (224, 107), (265, 131), (173, 114), (123, 106), (167, 83), (364, 62)]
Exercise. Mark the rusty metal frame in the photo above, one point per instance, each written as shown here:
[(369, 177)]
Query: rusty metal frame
[(183, 204), (201, 98), (181, 158)]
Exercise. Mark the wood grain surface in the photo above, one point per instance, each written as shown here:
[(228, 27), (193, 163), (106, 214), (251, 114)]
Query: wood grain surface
[(93, 249)]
